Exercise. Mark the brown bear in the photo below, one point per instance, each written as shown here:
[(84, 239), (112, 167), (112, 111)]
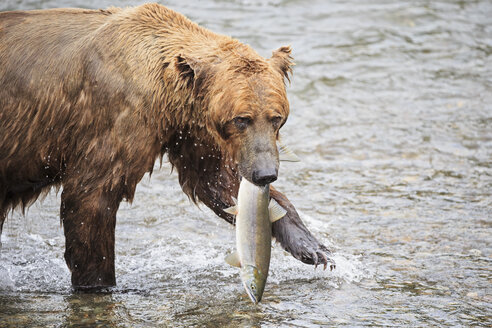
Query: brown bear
[(89, 99)]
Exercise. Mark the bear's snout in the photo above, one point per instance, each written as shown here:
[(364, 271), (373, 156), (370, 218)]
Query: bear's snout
[(258, 157), (263, 177)]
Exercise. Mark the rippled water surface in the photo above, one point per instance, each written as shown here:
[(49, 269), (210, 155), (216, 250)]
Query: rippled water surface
[(392, 116)]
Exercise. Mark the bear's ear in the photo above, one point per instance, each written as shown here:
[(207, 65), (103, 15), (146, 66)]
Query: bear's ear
[(192, 71), (282, 61)]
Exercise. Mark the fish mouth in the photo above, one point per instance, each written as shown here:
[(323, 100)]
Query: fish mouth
[(253, 282), (252, 296)]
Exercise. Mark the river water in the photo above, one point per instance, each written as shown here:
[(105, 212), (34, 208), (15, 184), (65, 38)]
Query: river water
[(392, 116)]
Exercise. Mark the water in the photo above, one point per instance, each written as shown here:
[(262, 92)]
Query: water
[(392, 117)]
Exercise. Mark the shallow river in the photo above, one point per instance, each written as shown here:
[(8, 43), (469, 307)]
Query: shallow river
[(392, 116)]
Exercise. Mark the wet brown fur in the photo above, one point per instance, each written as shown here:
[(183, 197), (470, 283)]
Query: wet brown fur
[(89, 99)]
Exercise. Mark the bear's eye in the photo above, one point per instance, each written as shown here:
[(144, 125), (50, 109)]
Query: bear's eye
[(276, 121), (242, 122)]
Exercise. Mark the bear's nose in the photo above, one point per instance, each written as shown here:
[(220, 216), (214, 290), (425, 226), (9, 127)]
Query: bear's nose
[(264, 177)]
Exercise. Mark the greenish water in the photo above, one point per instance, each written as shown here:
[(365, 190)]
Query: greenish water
[(392, 117)]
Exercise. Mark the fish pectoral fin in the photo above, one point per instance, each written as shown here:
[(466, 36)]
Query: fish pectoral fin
[(276, 211), (231, 210), (285, 154), (233, 259)]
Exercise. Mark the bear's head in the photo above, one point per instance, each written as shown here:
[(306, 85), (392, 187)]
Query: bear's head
[(246, 106)]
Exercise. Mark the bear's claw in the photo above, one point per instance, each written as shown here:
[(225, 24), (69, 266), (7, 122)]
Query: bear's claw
[(318, 257), (304, 247), (326, 260)]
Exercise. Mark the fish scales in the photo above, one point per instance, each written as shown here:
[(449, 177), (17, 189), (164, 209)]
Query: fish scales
[(255, 213)]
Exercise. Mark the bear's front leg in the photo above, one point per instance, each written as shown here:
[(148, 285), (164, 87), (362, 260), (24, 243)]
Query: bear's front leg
[(295, 238), (89, 219)]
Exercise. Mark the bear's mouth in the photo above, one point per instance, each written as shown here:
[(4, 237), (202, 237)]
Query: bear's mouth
[(260, 177)]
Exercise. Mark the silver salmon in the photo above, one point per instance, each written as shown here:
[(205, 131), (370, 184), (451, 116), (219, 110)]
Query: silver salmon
[(255, 213)]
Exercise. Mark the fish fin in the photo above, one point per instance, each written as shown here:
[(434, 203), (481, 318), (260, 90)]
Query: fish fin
[(231, 210), (233, 259), (276, 211), (285, 154)]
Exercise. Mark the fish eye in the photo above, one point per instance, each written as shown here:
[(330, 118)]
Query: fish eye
[(253, 287)]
